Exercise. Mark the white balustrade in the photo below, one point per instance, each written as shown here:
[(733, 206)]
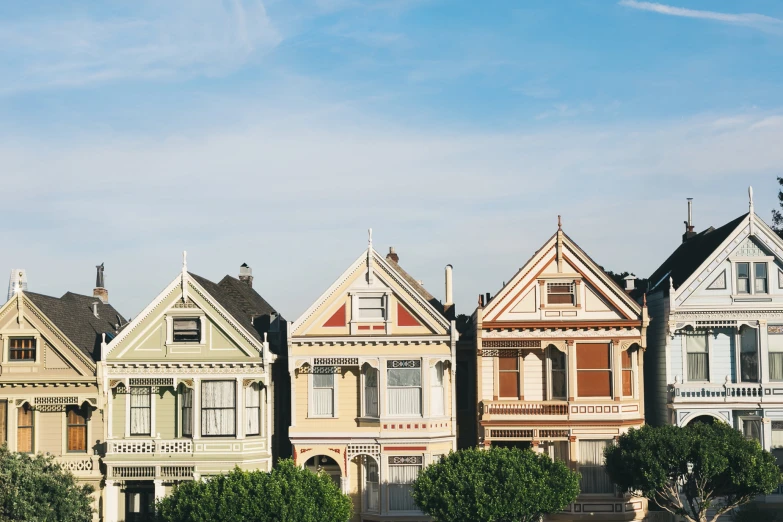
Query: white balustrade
[(150, 447)]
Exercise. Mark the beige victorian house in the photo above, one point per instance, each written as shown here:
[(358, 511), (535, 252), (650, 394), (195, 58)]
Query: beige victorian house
[(51, 395), (188, 384), (560, 370), (372, 373)]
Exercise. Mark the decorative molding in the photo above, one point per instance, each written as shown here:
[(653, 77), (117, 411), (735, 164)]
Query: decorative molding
[(749, 248), (404, 363), (511, 344), (406, 460), (567, 333), (719, 283), (185, 304), (336, 361), (372, 450), (188, 369), (152, 381), (719, 316)]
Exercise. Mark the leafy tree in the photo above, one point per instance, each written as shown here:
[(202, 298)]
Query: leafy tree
[(38, 489), (777, 216), (286, 494), (688, 471), (495, 485)]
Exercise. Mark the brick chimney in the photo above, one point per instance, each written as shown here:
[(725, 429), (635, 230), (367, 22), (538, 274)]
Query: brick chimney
[(689, 228), (392, 255), (246, 275), (100, 287)]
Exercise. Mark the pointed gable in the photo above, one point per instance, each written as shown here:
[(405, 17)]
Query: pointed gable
[(561, 282)]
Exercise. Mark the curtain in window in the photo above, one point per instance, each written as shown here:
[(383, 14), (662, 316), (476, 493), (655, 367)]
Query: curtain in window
[(591, 466), (218, 408), (141, 411), (559, 383), (404, 391), (400, 480), (24, 430), (253, 409), (627, 360), (760, 281), (508, 373), (323, 394), (751, 428), (371, 392), (557, 450), (187, 411), (436, 391), (775, 342), (77, 429), (698, 356), (749, 355), (371, 485)]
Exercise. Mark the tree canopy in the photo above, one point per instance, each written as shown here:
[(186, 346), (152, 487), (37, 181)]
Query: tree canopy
[(494, 485), (688, 471), (38, 489), (777, 216), (286, 494)]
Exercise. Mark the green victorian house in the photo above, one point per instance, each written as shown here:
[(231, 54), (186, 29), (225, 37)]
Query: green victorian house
[(189, 391)]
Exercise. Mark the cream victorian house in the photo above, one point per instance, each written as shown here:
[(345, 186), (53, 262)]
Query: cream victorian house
[(51, 393), (560, 370), (188, 384), (372, 373)]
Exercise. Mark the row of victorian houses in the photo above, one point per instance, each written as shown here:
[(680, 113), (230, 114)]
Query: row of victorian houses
[(373, 382)]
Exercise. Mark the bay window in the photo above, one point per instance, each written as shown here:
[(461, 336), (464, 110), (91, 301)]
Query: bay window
[(402, 472), (403, 383), (371, 392), (775, 343), (253, 409), (322, 398), (436, 390), (140, 410), (218, 408), (591, 466), (697, 351), (594, 370), (749, 354)]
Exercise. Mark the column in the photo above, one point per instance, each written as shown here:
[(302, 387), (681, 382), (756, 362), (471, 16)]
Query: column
[(196, 408), (763, 347), (160, 491), (240, 402), (426, 387), (110, 502), (382, 387), (571, 361), (13, 417), (617, 369)]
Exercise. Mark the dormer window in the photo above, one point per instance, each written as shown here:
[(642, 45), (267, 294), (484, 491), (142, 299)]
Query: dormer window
[(752, 278), (21, 349), (372, 308), (187, 330), (560, 294)]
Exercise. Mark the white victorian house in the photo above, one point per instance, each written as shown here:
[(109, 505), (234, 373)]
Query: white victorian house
[(715, 340)]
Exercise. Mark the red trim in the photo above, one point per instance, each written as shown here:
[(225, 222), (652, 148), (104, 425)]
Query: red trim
[(405, 448), (337, 319), (405, 318), (363, 327)]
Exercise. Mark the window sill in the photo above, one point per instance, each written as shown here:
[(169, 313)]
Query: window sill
[(368, 419), (751, 298), (320, 417)]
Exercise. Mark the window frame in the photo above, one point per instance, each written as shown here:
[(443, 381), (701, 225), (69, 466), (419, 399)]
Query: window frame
[(397, 461), (183, 393), (12, 350), (631, 353), (356, 307), (81, 412), (752, 418), (404, 364), (311, 392), (610, 370), (571, 285), (685, 366), (774, 331), (203, 409), (438, 390), (756, 278), (30, 427), (518, 372), (149, 408), (551, 349), (740, 378), (256, 389), (739, 278), (580, 465), (365, 413), (198, 330)]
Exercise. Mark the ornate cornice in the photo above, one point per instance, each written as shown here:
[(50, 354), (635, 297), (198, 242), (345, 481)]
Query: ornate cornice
[(569, 333), (726, 315), (185, 368)]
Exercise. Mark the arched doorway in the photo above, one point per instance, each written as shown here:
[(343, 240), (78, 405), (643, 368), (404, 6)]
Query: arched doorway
[(326, 464), (703, 419), (369, 483)]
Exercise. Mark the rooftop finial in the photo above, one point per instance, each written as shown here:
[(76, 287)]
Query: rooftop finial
[(559, 223), (369, 238), (750, 198), (184, 261)]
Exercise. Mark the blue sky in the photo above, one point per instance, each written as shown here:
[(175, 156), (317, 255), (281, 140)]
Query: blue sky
[(276, 132)]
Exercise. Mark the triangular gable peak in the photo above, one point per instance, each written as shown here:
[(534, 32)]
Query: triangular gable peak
[(561, 283), (370, 298), (185, 323), (20, 317), (751, 245)]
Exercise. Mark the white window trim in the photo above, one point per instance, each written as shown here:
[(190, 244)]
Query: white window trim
[(684, 342), (760, 420), (152, 414), (355, 296), (362, 396), (520, 378), (423, 404), (574, 292), (738, 353), (186, 313), (335, 402), (768, 260), (549, 393), (24, 334), (64, 419)]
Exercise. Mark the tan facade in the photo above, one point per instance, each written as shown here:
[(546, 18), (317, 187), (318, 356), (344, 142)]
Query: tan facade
[(372, 381), (188, 397), (560, 370), (50, 398)]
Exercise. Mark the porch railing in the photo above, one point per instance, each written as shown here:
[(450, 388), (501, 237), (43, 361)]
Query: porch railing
[(149, 446)]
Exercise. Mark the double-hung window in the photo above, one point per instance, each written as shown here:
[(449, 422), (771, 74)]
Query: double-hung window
[(187, 330), (371, 392), (437, 408), (594, 370), (557, 372), (698, 357), (25, 429), (403, 383), (402, 472), (760, 282), (560, 294), (186, 399), (752, 278), (372, 308), (775, 343), (743, 278), (76, 419), (508, 377), (322, 401), (751, 428), (253, 409), (218, 408), (21, 349), (140, 410), (627, 358), (749, 354), (591, 466)]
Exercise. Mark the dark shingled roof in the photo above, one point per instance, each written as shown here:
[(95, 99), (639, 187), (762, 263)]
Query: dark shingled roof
[(691, 254), (241, 304), (73, 315), (416, 286)]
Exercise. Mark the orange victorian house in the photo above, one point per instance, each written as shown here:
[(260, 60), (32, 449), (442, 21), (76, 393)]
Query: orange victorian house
[(560, 370)]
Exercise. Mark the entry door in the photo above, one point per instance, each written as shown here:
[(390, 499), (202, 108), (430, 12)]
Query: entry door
[(140, 504)]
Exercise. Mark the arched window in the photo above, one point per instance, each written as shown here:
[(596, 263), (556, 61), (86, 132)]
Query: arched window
[(25, 426), (370, 392), (558, 371), (253, 409), (437, 407)]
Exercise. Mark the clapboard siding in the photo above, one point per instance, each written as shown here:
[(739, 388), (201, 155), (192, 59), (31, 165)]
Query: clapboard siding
[(487, 378), (722, 356)]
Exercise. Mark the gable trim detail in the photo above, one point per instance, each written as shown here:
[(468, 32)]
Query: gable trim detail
[(59, 335), (719, 283)]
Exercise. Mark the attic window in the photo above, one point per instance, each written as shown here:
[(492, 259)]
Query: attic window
[(21, 349), (187, 330), (372, 307), (560, 293)]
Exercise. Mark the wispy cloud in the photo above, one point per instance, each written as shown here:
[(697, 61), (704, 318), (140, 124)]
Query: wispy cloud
[(755, 20), (160, 40)]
